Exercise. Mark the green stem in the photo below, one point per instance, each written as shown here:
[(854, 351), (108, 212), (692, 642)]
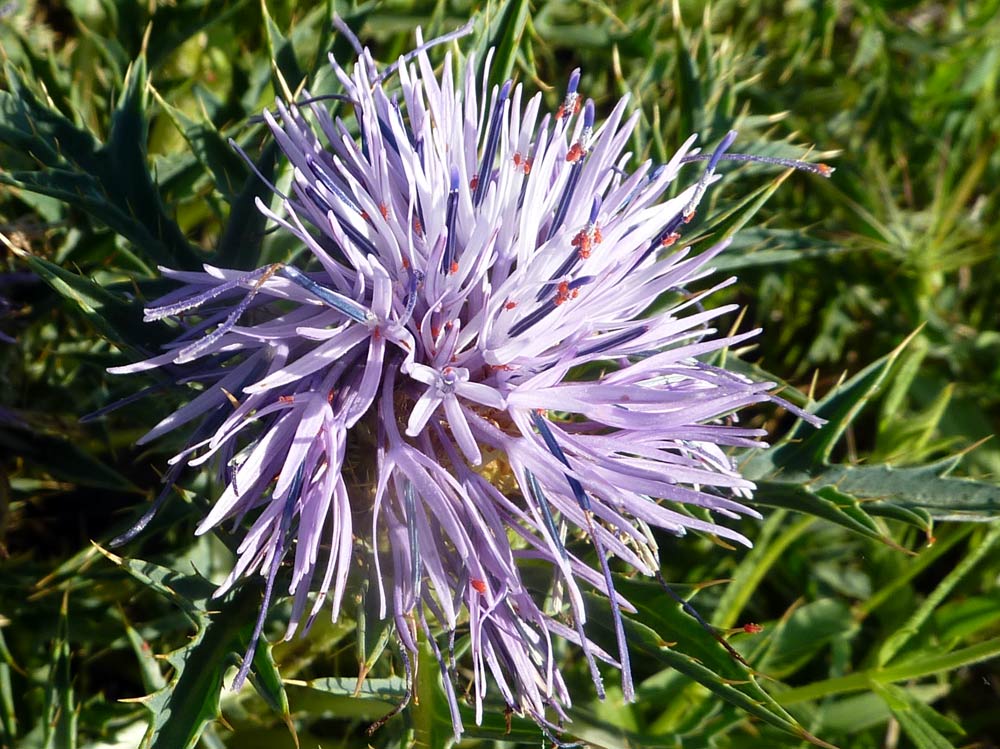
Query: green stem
[(914, 669)]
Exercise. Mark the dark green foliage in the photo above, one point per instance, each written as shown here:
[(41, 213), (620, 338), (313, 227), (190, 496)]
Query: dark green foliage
[(874, 573)]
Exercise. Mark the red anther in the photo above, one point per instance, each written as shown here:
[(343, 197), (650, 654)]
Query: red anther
[(406, 264), (454, 358), (541, 411), (377, 333), (417, 226), (447, 370), (435, 331), (448, 325), (365, 216), (454, 268), (825, 169), (517, 158), (527, 165), (669, 239), (575, 153), (576, 293), (479, 585), (510, 305), (331, 395), (578, 239), (286, 399), (560, 112), (598, 237), (584, 254), (501, 367), (474, 182), (563, 293), (752, 629), (384, 210)]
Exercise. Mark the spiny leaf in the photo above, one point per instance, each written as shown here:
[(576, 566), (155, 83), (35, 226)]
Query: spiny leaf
[(111, 182)]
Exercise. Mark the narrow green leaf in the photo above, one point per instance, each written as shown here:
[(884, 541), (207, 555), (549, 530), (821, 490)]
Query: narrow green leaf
[(912, 719), (902, 635), (60, 711), (925, 664), (504, 37)]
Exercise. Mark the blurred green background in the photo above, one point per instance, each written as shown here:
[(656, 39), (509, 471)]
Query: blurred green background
[(902, 98)]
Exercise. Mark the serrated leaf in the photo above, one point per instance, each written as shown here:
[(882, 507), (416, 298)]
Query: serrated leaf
[(287, 70), (335, 695), (118, 318), (111, 182), (741, 691), (190, 701), (241, 240), (922, 488), (228, 171), (805, 447), (791, 495)]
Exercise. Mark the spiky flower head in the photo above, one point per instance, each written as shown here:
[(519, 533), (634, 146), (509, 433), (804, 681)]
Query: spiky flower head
[(477, 359)]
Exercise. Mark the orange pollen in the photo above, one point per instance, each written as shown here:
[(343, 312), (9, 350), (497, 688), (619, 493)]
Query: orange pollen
[(825, 169), (517, 158), (669, 239), (564, 294), (384, 210), (435, 331), (406, 264), (752, 629), (474, 182), (331, 395), (479, 585), (510, 305), (584, 252), (417, 226), (575, 153), (598, 237), (454, 268), (501, 367), (365, 216), (527, 165), (377, 333), (286, 399), (560, 112)]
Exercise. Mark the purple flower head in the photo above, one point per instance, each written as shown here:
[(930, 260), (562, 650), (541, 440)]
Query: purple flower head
[(469, 256)]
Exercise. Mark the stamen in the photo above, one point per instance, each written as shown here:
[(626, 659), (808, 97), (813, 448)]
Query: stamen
[(443, 39), (543, 504), (571, 104), (578, 153), (276, 559), (339, 302), (823, 170), (492, 143), (416, 565), (550, 442), (450, 217), (614, 341)]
